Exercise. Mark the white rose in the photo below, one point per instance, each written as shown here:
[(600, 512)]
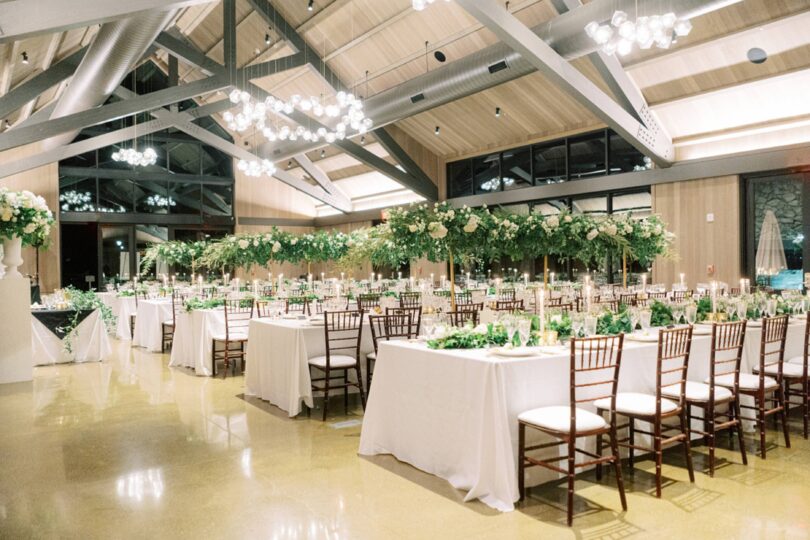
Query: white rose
[(568, 219), (628, 229), (31, 227), (294, 241), (276, 247), (593, 233), (243, 244), (611, 229), (437, 231), (471, 225), (412, 228), (553, 222), (7, 213)]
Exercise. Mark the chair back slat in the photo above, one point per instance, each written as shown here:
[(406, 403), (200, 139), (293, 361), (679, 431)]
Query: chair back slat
[(726, 355), (672, 364), (297, 304), (238, 314), (410, 299), (387, 327), (772, 346), (414, 312), (509, 305), (343, 331), (367, 301), (594, 370)]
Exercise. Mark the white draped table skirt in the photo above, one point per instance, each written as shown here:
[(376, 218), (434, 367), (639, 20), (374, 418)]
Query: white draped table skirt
[(149, 323), (89, 342), (454, 413)]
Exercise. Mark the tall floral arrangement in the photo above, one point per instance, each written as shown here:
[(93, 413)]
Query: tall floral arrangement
[(24, 215), (174, 252)]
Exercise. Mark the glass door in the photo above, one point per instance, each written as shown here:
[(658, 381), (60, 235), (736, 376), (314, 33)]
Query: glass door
[(116, 257)]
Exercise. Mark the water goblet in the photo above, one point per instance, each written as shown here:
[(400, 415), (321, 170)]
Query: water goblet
[(645, 320), (524, 329), (771, 307), (590, 325), (690, 313), (577, 322)]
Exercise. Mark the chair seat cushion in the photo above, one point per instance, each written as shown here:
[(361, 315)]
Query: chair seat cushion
[(335, 361), (558, 418), (233, 336), (788, 370), (747, 381), (697, 391), (372, 356), (635, 403), (168, 323)]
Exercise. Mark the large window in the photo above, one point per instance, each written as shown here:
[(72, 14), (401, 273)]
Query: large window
[(590, 155), (783, 199)]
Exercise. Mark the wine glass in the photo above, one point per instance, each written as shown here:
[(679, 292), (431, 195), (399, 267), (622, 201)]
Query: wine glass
[(731, 310), (635, 317), (677, 313), (771, 307), (577, 322), (690, 313), (590, 325), (645, 320), (524, 329)]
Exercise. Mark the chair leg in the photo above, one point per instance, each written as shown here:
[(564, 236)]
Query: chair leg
[(780, 396), (805, 406), (687, 446), (214, 359), (617, 464), (739, 428), (571, 475), (761, 422), (360, 385), (521, 460), (368, 373), (599, 453), (659, 457), (632, 451), (710, 425), (346, 392), (326, 395)]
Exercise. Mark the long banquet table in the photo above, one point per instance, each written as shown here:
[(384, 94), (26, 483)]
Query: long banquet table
[(278, 356), (453, 413)]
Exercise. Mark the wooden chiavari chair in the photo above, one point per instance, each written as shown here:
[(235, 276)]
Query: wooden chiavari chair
[(386, 327), (766, 384), (553, 302), (674, 348), (795, 372), (680, 296), (725, 359), (628, 299), (460, 318), (267, 291), (612, 305), (594, 375), (735, 291), (506, 295), (365, 302), (319, 306), (297, 304), (509, 305), (410, 299), (464, 298), (580, 301), (414, 312), (343, 331), (168, 327), (238, 314)]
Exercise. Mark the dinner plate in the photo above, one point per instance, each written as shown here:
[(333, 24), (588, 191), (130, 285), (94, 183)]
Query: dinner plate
[(516, 352)]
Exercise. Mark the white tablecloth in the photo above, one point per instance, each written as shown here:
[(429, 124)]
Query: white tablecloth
[(123, 307), (278, 356), (454, 413), (89, 342), (149, 323), (193, 339)]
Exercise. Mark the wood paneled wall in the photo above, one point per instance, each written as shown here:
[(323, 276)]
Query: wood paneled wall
[(43, 181), (684, 206)]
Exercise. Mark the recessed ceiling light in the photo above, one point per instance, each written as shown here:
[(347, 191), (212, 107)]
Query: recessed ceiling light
[(310, 5), (497, 112), (24, 57), (757, 55), (440, 56), (437, 130), (267, 39)]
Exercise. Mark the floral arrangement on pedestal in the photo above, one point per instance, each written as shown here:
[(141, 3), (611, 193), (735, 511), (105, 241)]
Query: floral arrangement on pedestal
[(25, 220)]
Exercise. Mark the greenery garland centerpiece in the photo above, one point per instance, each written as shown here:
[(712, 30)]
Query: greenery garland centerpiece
[(174, 252)]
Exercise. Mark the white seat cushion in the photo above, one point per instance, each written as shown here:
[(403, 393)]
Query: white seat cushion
[(168, 323), (797, 360), (372, 356), (335, 361), (788, 370), (634, 403), (559, 419), (747, 381), (234, 336), (696, 391)]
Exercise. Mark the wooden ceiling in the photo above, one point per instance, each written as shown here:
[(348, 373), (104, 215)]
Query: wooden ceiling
[(374, 45)]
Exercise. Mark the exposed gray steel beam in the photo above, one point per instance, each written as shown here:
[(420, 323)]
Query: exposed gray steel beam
[(316, 173), (20, 19), (100, 141), (25, 92), (181, 48), (289, 33), (515, 34), (422, 183)]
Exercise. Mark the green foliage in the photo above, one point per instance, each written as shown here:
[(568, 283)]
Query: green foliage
[(561, 325), (471, 338), (609, 323), (193, 304), (661, 314), (79, 301)]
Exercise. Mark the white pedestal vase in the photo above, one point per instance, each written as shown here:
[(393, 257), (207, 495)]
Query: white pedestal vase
[(12, 256)]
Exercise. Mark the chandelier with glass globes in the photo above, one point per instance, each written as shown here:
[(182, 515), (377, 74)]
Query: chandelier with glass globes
[(419, 5), (135, 157), (256, 167), (345, 108), (622, 33)]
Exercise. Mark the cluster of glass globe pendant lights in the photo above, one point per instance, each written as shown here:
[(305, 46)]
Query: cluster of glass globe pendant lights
[(622, 33), (135, 157), (345, 107)]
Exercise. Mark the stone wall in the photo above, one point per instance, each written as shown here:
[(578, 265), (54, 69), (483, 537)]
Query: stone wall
[(784, 197)]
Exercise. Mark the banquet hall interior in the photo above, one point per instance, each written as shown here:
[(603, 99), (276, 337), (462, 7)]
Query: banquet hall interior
[(372, 269)]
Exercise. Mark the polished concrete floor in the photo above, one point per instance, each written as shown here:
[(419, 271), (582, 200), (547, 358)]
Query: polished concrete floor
[(132, 449)]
